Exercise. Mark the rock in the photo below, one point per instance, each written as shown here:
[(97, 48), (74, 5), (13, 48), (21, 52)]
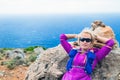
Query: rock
[(18, 53), (108, 68), (2, 73), (99, 28), (8, 54), (38, 50), (51, 66), (15, 53)]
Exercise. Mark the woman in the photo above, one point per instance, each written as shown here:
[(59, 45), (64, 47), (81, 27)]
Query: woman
[(85, 40)]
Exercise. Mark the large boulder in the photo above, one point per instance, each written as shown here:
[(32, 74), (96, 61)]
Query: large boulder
[(109, 67), (51, 66), (99, 28)]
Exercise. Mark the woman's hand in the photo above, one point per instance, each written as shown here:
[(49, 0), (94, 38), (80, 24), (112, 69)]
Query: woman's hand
[(100, 38)]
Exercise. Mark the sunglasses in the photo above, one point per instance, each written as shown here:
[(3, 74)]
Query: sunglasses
[(85, 39)]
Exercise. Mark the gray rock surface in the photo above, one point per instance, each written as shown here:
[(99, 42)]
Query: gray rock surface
[(51, 66), (15, 53)]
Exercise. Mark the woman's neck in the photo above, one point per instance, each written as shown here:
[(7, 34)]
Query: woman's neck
[(84, 50)]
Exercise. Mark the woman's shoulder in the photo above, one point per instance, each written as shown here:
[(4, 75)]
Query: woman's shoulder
[(95, 49)]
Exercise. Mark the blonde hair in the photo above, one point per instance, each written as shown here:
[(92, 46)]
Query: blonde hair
[(88, 31)]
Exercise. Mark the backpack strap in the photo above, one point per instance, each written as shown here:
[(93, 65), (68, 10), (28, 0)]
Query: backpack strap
[(89, 60), (72, 54)]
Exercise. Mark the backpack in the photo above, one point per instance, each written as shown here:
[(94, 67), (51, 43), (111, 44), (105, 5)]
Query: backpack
[(89, 60)]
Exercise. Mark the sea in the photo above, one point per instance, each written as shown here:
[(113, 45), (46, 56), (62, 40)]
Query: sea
[(21, 31)]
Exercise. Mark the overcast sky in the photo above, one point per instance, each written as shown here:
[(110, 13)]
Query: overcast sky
[(58, 6)]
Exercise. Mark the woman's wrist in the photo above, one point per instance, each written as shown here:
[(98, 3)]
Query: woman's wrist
[(95, 36), (101, 39)]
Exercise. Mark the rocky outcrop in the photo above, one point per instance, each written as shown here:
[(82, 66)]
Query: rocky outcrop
[(108, 68), (38, 50), (15, 53), (99, 28), (51, 66)]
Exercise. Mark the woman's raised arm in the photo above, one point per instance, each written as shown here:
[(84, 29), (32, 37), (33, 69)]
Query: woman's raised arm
[(64, 42)]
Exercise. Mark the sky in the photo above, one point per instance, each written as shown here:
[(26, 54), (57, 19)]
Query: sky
[(58, 6)]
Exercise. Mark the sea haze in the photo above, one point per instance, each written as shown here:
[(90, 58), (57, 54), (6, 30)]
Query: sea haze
[(44, 30)]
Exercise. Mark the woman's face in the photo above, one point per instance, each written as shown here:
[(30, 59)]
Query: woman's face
[(85, 41)]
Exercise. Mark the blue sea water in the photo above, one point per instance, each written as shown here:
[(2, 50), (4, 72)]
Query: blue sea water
[(22, 31)]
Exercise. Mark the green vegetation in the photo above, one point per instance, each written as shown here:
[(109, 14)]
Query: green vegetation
[(7, 48), (12, 63), (2, 50), (32, 57), (31, 48), (1, 56)]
